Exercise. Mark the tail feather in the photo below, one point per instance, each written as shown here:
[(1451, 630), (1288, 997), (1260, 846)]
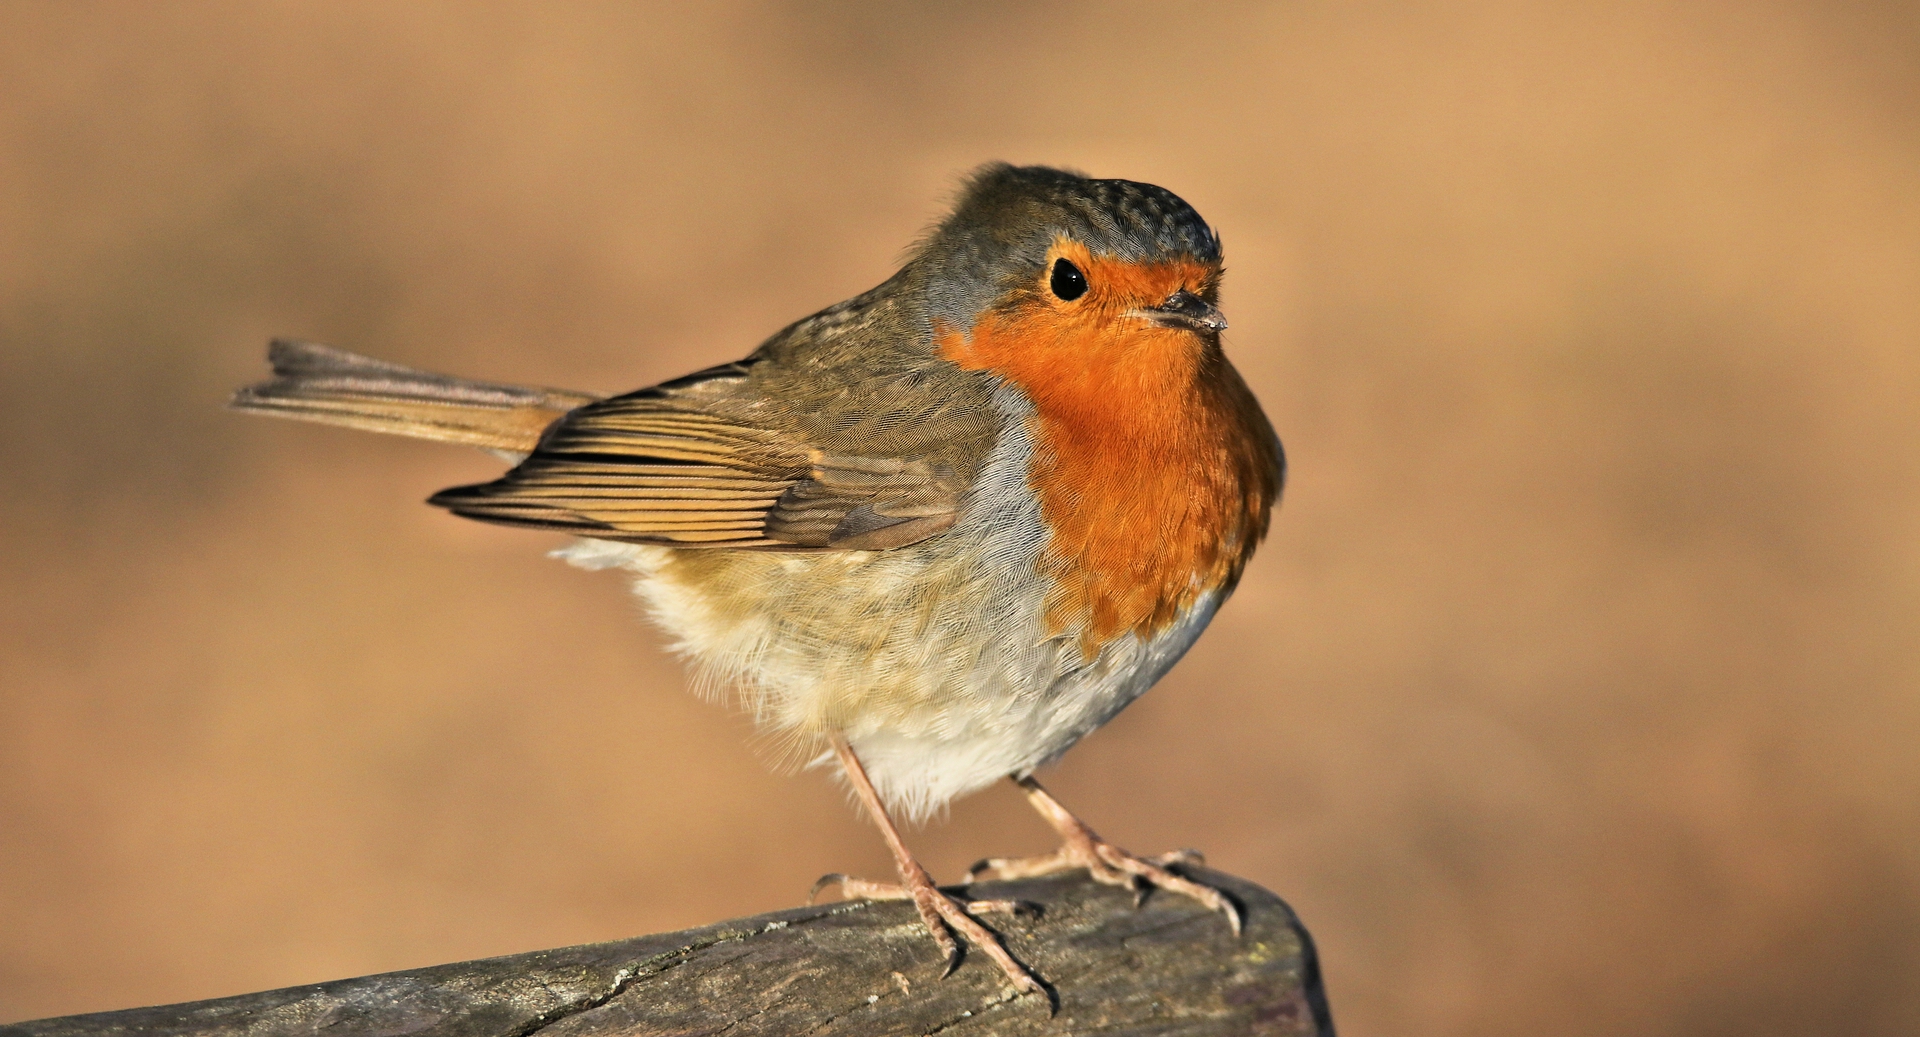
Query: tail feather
[(313, 382)]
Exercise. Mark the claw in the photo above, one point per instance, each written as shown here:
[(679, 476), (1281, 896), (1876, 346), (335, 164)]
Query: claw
[(942, 936), (830, 879)]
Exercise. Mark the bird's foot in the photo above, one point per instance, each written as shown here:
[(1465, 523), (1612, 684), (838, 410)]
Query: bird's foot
[(943, 916), (867, 889), (1114, 867)]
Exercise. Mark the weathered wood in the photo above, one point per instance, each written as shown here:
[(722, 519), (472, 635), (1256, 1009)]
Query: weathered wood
[(1167, 967)]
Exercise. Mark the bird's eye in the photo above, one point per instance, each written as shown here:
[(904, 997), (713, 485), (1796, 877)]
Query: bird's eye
[(1068, 282)]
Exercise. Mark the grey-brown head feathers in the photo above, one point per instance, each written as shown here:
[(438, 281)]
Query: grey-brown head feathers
[(1008, 216)]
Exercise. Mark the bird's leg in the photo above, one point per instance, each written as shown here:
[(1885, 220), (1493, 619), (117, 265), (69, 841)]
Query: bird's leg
[(942, 914), (1082, 847)]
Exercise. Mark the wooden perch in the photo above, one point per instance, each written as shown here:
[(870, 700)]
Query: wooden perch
[(844, 969)]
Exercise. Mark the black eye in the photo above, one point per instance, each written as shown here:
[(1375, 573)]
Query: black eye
[(1068, 282)]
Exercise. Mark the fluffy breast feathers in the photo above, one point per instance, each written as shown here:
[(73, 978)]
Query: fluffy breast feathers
[(1155, 468)]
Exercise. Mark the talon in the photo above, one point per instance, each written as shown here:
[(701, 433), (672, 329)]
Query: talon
[(949, 947), (829, 879), (1232, 911)]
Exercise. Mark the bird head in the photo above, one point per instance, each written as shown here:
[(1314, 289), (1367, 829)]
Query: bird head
[(1040, 266)]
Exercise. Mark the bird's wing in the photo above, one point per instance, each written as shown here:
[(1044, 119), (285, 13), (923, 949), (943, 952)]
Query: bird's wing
[(705, 461)]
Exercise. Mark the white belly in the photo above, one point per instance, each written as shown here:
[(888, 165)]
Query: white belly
[(933, 659)]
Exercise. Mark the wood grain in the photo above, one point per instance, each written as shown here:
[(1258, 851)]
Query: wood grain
[(1167, 967)]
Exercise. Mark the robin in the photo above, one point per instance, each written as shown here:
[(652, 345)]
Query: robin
[(937, 532)]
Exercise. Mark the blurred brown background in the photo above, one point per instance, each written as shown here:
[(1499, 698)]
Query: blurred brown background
[(1574, 692)]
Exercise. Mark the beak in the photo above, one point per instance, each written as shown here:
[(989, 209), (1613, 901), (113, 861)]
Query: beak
[(1183, 309)]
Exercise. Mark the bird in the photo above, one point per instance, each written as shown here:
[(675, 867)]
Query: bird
[(935, 533)]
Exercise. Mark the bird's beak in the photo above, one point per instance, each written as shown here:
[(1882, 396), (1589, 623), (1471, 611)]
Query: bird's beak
[(1183, 309)]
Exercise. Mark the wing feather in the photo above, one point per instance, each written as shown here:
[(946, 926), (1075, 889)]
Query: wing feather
[(708, 460)]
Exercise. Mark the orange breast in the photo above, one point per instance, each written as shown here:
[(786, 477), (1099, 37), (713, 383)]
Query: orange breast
[(1153, 464)]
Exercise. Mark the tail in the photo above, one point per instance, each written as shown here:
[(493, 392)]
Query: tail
[(313, 382)]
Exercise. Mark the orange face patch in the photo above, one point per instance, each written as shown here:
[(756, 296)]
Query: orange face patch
[(1154, 466)]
